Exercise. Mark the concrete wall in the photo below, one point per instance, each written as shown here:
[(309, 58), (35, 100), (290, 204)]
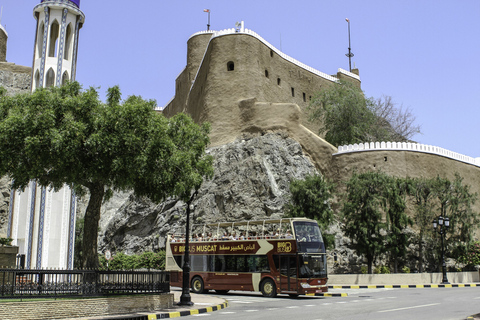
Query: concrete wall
[(67, 309), (402, 278)]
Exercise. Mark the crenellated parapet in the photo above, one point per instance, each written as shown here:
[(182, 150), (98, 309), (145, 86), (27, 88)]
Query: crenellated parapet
[(407, 146)]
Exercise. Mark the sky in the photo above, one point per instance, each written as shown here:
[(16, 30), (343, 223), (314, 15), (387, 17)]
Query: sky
[(422, 53)]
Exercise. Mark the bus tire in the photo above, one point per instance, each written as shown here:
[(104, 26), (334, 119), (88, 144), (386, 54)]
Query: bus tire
[(268, 288), (197, 285)]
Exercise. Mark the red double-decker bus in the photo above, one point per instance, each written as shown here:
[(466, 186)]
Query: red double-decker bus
[(283, 256)]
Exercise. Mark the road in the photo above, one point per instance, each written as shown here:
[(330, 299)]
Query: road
[(441, 303)]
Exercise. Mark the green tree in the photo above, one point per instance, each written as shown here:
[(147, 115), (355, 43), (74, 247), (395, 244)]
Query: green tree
[(423, 195), (346, 116), (362, 214), (311, 198), (343, 113), (455, 201), (65, 135), (395, 193)]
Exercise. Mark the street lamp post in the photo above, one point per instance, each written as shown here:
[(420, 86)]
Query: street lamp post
[(441, 227), (185, 298)]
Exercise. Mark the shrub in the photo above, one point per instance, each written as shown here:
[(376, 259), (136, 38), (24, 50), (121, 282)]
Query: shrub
[(6, 241), (472, 257), (406, 269), (382, 270), (145, 260)]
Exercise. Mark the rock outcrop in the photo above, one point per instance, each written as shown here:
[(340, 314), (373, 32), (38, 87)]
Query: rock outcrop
[(251, 181)]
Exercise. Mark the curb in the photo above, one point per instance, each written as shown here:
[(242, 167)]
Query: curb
[(331, 294), (168, 315), (406, 286)]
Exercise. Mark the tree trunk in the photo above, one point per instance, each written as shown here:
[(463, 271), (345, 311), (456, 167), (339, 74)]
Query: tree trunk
[(370, 264), (92, 218), (420, 253)]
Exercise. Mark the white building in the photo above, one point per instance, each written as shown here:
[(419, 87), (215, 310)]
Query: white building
[(42, 222)]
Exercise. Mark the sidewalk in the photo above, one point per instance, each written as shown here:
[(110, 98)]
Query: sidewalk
[(203, 303)]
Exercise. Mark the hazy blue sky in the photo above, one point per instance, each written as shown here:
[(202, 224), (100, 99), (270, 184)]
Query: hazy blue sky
[(425, 54)]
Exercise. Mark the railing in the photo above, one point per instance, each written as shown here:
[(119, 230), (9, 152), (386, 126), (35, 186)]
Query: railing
[(407, 146), (18, 283)]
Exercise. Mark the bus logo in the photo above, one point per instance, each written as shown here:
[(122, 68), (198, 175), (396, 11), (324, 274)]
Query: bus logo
[(284, 247)]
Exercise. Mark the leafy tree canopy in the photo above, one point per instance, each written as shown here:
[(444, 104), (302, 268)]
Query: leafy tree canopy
[(66, 135), (346, 116), (362, 212), (311, 198)]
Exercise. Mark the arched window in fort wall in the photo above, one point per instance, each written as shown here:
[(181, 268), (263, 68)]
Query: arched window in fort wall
[(230, 66), (50, 78), (53, 46)]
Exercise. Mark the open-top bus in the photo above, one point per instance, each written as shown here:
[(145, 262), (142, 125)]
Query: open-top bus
[(272, 256)]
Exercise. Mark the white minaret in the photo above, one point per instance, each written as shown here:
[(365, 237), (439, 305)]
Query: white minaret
[(56, 42), (41, 222)]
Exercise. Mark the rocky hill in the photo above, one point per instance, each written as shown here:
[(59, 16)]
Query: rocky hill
[(251, 181)]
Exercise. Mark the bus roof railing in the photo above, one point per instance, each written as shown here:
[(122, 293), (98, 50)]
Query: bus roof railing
[(250, 223)]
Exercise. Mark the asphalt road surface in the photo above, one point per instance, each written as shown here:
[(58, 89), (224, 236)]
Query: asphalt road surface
[(427, 303)]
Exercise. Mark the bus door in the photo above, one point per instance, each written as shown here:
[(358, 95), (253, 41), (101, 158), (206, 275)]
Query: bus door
[(288, 272)]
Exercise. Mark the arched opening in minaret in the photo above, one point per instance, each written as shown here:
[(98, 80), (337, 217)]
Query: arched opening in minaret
[(68, 42), (37, 80), (41, 30), (65, 78), (50, 78), (230, 66), (53, 49)]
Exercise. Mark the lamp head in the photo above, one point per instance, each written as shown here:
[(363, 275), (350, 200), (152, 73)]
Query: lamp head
[(447, 222)]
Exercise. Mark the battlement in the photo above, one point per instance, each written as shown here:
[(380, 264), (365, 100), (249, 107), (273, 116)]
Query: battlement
[(407, 146)]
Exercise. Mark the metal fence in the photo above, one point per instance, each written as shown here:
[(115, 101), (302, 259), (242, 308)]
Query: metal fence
[(19, 283)]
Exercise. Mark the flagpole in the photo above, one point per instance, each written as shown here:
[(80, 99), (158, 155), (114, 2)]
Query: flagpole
[(208, 24), (349, 54)]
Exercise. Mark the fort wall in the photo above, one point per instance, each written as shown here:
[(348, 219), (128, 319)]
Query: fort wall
[(405, 163), (236, 66)]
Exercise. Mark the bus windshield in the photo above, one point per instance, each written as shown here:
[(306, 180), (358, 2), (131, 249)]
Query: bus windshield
[(309, 237), (312, 266)]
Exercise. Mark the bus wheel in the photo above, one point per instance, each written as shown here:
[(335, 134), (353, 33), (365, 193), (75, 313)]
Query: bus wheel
[(222, 291), (197, 285), (268, 288)]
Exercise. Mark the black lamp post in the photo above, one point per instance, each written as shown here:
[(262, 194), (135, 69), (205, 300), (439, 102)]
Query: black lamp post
[(441, 227), (185, 298)]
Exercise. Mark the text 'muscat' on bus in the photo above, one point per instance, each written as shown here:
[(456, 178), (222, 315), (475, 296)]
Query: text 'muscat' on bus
[(282, 256)]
